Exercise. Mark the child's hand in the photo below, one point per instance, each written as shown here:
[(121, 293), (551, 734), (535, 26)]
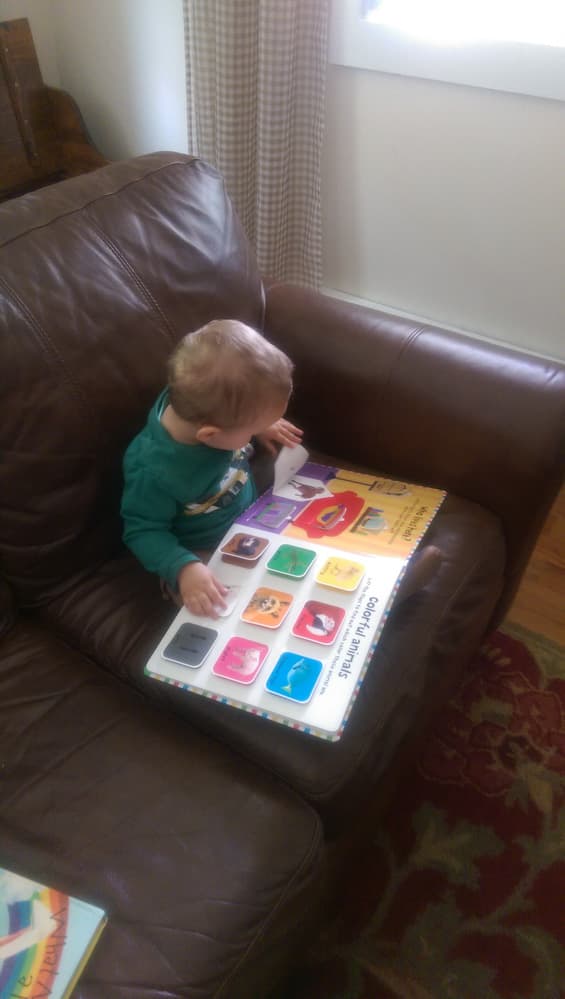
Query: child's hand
[(201, 592), (281, 432)]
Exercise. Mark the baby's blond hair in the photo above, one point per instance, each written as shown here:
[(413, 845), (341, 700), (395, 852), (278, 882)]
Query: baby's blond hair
[(226, 374)]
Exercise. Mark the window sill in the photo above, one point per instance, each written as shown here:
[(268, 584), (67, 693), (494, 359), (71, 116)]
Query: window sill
[(535, 70)]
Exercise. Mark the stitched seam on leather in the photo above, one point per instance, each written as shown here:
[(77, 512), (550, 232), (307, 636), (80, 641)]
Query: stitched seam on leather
[(260, 934), (321, 797), (127, 266), (100, 197), (326, 795), (49, 348), (445, 612), (454, 596), (394, 365), (65, 757)]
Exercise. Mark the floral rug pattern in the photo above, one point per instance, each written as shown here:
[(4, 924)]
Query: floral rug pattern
[(462, 895)]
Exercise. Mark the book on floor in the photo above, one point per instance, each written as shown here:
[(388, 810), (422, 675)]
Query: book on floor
[(311, 568), (46, 938)]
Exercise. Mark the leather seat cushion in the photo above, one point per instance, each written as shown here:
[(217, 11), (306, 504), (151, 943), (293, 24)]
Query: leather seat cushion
[(116, 617), (207, 868)]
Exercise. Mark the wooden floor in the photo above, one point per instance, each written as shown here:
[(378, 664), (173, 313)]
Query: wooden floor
[(540, 602)]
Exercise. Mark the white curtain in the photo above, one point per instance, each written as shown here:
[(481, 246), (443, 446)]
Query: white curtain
[(256, 73)]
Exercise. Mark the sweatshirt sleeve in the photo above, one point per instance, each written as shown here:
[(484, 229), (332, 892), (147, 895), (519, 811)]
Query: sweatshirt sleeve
[(148, 513)]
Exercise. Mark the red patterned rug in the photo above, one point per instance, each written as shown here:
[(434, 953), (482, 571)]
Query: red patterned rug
[(463, 895)]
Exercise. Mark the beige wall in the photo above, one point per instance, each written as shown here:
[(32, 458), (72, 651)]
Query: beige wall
[(122, 61), (40, 16), (440, 201), (448, 203)]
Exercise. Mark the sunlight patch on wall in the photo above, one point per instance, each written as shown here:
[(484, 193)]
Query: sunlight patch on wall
[(448, 22)]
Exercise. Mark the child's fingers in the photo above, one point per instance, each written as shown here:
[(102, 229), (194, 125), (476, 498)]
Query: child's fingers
[(288, 438), (202, 605), (192, 603), (217, 594), (290, 428)]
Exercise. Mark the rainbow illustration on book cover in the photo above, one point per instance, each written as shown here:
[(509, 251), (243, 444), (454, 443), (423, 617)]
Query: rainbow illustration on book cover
[(45, 937)]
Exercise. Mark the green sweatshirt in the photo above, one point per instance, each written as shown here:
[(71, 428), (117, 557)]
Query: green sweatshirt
[(178, 497)]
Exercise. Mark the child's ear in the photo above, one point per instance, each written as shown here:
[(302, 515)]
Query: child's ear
[(206, 434)]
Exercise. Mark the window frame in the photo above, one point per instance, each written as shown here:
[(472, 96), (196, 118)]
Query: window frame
[(520, 68)]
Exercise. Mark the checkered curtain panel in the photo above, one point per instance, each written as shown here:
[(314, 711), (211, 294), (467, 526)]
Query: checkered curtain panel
[(256, 73)]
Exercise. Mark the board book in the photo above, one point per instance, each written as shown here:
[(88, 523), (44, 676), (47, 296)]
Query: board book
[(311, 569), (46, 938)]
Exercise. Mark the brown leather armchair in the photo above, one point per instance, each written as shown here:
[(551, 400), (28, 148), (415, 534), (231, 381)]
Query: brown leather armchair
[(214, 838)]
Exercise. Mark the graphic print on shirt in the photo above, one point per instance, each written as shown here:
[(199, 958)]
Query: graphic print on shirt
[(228, 488)]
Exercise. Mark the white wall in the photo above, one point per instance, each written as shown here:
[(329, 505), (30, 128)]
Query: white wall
[(40, 16), (122, 61), (448, 203), (440, 201)]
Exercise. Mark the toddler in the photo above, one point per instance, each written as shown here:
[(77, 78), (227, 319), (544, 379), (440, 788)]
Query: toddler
[(186, 474)]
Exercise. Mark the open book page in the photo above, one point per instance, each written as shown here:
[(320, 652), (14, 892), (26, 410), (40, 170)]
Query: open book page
[(348, 510), (312, 568)]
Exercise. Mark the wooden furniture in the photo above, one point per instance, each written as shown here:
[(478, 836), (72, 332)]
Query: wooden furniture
[(539, 602), (43, 138)]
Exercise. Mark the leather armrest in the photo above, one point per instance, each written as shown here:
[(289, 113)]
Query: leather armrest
[(421, 403)]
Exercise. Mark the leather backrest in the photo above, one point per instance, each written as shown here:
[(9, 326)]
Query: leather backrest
[(100, 276)]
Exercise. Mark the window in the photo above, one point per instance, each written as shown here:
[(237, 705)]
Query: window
[(513, 45)]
